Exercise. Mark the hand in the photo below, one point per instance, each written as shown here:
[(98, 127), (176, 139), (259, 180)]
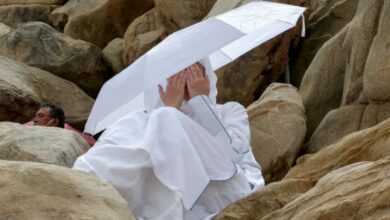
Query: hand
[(197, 82), (174, 94)]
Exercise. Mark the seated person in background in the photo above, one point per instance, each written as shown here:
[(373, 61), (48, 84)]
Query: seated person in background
[(185, 157), (52, 115)]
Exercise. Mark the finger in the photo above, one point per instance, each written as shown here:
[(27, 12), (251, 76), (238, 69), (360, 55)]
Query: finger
[(176, 79), (190, 75), (199, 66), (161, 91), (201, 70), (182, 79), (195, 71)]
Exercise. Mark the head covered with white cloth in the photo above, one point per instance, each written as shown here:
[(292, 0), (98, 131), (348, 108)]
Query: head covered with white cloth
[(153, 100)]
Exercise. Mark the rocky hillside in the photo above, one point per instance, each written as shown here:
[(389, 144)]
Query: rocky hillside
[(322, 141)]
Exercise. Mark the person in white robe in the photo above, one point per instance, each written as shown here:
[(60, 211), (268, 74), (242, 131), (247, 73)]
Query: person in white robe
[(185, 157)]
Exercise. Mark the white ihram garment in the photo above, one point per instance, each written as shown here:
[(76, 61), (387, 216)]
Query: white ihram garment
[(170, 164)]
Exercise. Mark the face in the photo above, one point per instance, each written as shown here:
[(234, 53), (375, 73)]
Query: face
[(42, 117)]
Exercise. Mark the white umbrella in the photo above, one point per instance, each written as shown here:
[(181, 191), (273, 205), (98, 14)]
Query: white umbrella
[(221, 39)]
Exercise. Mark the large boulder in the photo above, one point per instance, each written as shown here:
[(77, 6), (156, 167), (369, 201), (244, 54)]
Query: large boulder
[(335, 77), (100, 21), (370, 144), (343, 121), (142, 34), (376, 77), (325, 21), (113, 53), (37, 44), (40, 144), (180, 14), (262, 202), (40, 191), (13, 15), (278, 129), (166, 17), (358, 191), (32, 2), (23, 88)]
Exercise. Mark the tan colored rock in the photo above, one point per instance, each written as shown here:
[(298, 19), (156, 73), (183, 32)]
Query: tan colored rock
[(13, 15), (325, 21), (113, 54), (322, 85), (246, 78), (180, 14), (101, 21), (336, 124), (49, 145), (377, 68), (32, 2), (344, 121), (23, 88), (4, 29), (142, 34), (262, 202), (370, 144), (166, 17), (60, 16), (358, 191), (40, 191), (335, 77), (37, 44), (278, 129)]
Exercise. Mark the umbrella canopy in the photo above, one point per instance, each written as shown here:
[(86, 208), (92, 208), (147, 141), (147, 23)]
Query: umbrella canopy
[(221, 39)]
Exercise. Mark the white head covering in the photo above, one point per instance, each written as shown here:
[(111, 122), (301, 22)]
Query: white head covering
[(152, 96)]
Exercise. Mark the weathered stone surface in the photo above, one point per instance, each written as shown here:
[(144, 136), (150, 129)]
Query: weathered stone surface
[(37, 44), (13, 15), (23, 88), (246, 78), (4, 29), (262, 202), (98, 22), (278, 129), (358, 191), (40, 144), (180, 14), (113, 53), (326, 19), (336, 124), (167, 16), (41, 191), (370, 144), (377, 69), (60, 16), (142, 34), (32, 2), (346, 120), (335, 77)]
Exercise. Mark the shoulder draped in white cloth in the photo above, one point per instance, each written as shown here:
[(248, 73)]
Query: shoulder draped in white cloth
[(178, 164)]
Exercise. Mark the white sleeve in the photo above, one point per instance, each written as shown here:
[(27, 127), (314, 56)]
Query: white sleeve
[(229, 123)]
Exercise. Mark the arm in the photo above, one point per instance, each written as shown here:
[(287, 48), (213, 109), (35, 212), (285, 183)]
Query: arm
[(229, 125)]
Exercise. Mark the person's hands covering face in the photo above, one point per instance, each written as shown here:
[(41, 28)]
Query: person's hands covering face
[(174, 94), (197, 81)]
